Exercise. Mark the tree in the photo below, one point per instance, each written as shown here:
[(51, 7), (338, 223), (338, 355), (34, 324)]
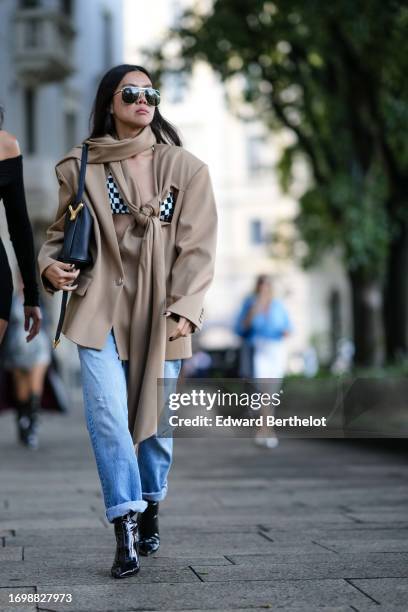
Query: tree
[(332, 73)]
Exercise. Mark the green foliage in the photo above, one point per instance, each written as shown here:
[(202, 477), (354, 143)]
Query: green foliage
[(349, 215), (335, 75)]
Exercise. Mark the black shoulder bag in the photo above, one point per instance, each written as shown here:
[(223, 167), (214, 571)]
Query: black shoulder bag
[(77, 234)]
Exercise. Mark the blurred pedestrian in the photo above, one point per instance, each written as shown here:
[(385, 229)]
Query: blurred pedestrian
[(263, 322), (27, 364), (133, 313), (19, 227)]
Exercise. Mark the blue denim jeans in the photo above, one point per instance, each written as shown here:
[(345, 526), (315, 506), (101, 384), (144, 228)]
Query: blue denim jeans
[(127, 478)]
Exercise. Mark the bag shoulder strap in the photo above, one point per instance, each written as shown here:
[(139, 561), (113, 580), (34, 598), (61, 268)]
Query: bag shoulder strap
[(82, 172), (78, 200)]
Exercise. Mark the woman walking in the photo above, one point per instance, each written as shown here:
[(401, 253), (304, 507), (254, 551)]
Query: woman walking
[(27, 364), (133, 313), (13, 195), (263, 322)]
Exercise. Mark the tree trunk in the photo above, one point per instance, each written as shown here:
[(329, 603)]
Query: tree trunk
[(368, 331), (395, 298)]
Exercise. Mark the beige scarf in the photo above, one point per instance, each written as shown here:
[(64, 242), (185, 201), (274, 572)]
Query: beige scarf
[(148, 325)]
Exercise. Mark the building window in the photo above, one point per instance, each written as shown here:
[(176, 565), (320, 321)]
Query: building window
[(107, 39), (256, 231), (66, 7), (27, 4), (32, 34), (29, 113), (70, 130), (176, 11), (175, 86), (256, 154)]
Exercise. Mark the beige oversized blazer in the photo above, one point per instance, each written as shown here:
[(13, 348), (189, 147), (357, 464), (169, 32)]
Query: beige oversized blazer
[(189, 248)]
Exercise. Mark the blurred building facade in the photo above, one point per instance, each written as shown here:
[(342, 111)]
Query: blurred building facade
[(52, 55), (241, 156)]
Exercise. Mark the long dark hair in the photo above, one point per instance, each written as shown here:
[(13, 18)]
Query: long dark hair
[(1, 116), (101, 119), (260, 280)]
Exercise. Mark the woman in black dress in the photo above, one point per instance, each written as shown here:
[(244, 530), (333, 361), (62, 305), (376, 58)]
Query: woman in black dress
[(18, 223)]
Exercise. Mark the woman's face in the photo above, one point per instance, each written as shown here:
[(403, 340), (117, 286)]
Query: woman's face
[(136, 115), (265, 288)]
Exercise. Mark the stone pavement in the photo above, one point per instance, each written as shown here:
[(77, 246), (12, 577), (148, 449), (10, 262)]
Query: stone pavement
[(309, 526)]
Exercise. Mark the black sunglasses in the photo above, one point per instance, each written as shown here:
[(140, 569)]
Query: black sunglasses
[(131, 94)]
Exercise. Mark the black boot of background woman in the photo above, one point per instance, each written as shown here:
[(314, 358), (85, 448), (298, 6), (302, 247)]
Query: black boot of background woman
[(28, 364)]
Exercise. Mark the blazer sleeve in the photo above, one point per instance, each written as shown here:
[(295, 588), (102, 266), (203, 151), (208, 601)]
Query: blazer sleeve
[(196, 238), (55, 233)]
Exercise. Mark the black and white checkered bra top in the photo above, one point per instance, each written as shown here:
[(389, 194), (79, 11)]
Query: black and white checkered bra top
[(118, 205)]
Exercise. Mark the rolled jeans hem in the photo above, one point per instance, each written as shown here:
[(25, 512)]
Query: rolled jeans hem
[(122, 509), (156, 496)]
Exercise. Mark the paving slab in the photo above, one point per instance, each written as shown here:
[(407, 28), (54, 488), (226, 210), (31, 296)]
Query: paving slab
[(278, 607), (385, 591), (6, 605), (368, 540), (309, 567), (87, 570), (14, 553), (77, 556), (264, 594)]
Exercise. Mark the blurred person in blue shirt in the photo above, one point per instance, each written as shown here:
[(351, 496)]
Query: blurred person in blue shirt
[(263, 323)]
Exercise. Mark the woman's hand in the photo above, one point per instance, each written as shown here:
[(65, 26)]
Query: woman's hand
[(184, 327), (32, 313), (261, 303), (60, 275)]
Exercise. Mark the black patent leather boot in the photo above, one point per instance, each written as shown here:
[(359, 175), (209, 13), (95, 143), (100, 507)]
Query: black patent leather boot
[(148, 521), (27, 421), (126, 561)]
